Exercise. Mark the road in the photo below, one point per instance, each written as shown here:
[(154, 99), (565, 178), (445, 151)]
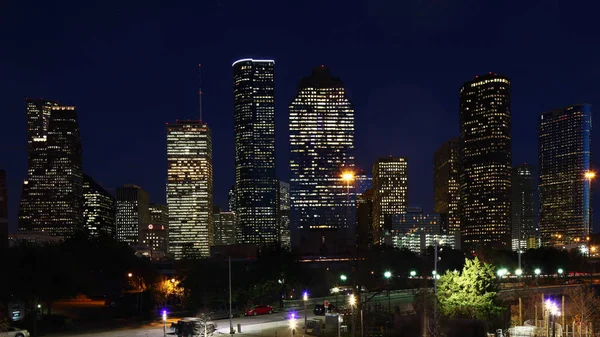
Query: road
[(265, 325)]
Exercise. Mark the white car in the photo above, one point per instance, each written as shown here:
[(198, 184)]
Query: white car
[(14, 332)]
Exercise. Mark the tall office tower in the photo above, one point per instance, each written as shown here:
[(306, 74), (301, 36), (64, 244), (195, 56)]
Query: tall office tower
[(390, 194), (322, 146), (3, 211), (524, 217), (446, 185), (254, 124), (190, 189), (159, 214), (231, 197), (224, 223), (485, 140), (133, 213), (283, 214), (565, 175), (363, 182), (53, 203), (99, 209), (364, 220)]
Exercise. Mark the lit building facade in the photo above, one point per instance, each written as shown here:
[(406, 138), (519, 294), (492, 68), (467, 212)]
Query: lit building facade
[(159, 214), (190, 189), (446, 185), (486, 161), (52, 197), (418, 242), (225, 231), (154, 237), (3, 211), (390, 194), (524, 215), (99, 209), (565, 215), (231, 197), (414, 220), (133, 213), (283, 200), (363, 182), (321, 121), (255, 178)]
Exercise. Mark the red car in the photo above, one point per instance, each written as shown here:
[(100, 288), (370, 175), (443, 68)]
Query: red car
[(259, 310)]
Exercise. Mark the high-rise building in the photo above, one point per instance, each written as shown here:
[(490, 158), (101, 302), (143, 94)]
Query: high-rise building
[(224, 222), (524, 196), (52, 198), (364, 220), (565, 175), (390, 194), (283, 215), (190, 189), (3, 211), (486, 162), (133, 213), (254, 123), (322, 144), (99, 209), (231, 197), (363, 182), (446, 185), (159, 214)]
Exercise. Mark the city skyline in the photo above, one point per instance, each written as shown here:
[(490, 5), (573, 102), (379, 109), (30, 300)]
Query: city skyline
[(389, 94)]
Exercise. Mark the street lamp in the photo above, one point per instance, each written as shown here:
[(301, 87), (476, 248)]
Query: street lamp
[(519, 272), (560, 271), (553, 312), (129, 275), (164, 317), (305, 299), (343, 278), (352, 300), (502, 272), (388, 275), (537, 271), (413, 273), (293, 324)]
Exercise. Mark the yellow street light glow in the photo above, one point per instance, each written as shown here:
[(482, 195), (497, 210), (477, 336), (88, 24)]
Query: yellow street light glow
[(352, 300), (589, 175), (129, 275), (348, 176)]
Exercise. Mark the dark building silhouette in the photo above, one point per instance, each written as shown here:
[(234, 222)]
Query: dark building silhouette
[(524, 215), (446, 185), (564, 184), (52, 197), (485, 140), (133, 213), (364, 220), (254, 124), (3, 211), (99, 209), (321, 121)]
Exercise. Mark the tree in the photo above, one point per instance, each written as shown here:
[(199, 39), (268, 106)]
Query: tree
[(471, 293), (583, 304), (165, 289)]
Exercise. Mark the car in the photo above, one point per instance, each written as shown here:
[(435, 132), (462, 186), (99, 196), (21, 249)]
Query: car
[(259, 310), (14, 332)]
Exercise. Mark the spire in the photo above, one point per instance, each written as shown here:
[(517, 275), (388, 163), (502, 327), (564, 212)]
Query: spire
[(200, 89)]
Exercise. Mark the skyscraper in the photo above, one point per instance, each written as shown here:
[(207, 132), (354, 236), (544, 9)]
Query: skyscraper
[(446, 184), (485, 139), (283, 214), (3, 211), (390, 194), (254, 124), (133, 213), (231, 197), (364, 220), (524, 196), (52, 198), (363, 182), (564, 182), (322, 145), (154, 236), (159, 214), (99, 208), (190, 189), (225, 233)]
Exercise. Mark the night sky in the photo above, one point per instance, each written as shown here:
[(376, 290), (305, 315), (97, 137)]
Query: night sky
[(131, 66)]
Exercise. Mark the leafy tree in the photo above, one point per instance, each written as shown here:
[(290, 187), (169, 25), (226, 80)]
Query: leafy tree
[(583, 304), (470, 293)]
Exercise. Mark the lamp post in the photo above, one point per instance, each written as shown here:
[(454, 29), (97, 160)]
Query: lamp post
[(164, 317), (413, 273), (589, 176), (537, 273), (388, 275), (305, 299), (293, 324), (352, 302)]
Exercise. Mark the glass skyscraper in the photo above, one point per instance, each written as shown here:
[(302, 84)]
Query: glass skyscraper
[(99, 208), (52, 197), (446, 184), (283, 199), (190, 189), (254, 124), (564, 159), (486, 161), (322, 144), (390, 194), (524, 216)]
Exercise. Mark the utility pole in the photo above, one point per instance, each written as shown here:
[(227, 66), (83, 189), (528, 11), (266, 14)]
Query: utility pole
[(231, 332)]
